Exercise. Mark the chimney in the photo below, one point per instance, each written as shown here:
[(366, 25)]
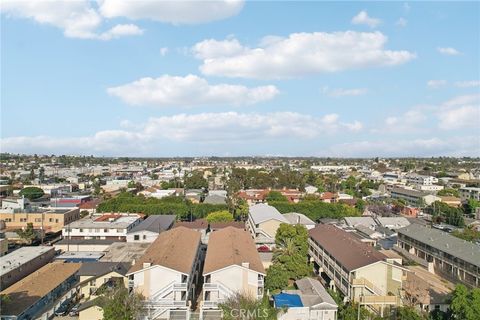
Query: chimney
[(246, 265)]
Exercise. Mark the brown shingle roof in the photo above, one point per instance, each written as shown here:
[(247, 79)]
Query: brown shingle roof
[(197, 224), (220, 225), (32, 288), (344, 247), (231, 246), (175, 249)]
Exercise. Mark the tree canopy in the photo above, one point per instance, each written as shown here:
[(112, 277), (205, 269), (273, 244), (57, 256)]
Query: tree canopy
[(119, 304), (219, 216), (275, 196), (32, 193)]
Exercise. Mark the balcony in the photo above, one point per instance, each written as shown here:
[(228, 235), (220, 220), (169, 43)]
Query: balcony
[(180, 286), (166, 303)]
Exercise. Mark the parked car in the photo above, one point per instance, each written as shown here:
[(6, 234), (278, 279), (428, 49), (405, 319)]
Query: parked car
[(62, 310), (74, 311)]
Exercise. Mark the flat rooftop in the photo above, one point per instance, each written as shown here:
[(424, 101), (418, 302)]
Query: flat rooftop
[(80, 255), (124, 251), (96, 222), (20, 257)]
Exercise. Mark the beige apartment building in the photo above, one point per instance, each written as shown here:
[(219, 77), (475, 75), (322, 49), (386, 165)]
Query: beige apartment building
[(232, 265), (360, 272), (50, 220), (166, 274), (263, 222)]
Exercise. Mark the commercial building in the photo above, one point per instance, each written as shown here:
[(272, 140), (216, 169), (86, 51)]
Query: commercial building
[(441, 253), (360, 272), (69, 202), (165, 275), (470, 193), (232, 265), (413, 197), (108, 226), (149, 229), (22, 262), (263, 222), (38, 295), (47, 220)]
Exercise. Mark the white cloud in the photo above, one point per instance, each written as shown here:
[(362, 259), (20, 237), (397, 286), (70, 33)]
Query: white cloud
[(83, 19), (340, 92), (401, 22), (175, 12), (205, 128), (467, 84), (121, 30), (189, 91), (435, 84), (164, 51), (299, 54), (460, 113), (449, 51), (426, 147), (363, 18), (77, 18)]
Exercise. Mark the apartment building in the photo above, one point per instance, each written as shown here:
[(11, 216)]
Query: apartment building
[(95, 275), (413, 197), (113, 226), (38, 295), (359, 271), (470, 193), (263, 222), (22, 262), (232, 265), (167, 273), (149, 229), (421, 179), (47, 220), (441, 253)]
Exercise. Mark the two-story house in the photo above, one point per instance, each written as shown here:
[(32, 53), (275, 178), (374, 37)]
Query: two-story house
[(166, 274)]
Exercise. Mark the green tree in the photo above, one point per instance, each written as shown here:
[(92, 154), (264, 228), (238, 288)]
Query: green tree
[(461, 305), (470, 206), (195, 180), (291, 250), (468, 233), (32, 193), (448, 192), (408, 313), (119, 304), (276, 278), (275, 196), (219, 216), (28, 234)]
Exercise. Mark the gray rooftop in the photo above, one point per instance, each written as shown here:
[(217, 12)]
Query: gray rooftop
[(393, 222), (20, 257), (409, 192), (465, 250), (313, 293), (100, 268), (155, 223), (364, 221), (215, 199), (298, 218), (263, 212)]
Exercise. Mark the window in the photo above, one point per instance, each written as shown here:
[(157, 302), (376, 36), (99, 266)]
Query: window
[(38, 220), (105, 230), (23, 219), (50, 220), (56, 220), (81, 230), (136, 237), (144, 237), (8, 220)]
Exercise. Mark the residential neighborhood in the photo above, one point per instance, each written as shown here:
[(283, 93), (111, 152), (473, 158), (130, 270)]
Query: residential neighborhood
[(239, 160)]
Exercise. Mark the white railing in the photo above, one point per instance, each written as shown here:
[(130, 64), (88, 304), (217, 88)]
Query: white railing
[(166, 303)]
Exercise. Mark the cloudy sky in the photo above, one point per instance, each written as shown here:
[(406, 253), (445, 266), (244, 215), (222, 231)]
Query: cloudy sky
[(229, 78)]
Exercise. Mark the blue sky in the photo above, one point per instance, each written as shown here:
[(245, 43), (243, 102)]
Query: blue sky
[(352, 79)]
